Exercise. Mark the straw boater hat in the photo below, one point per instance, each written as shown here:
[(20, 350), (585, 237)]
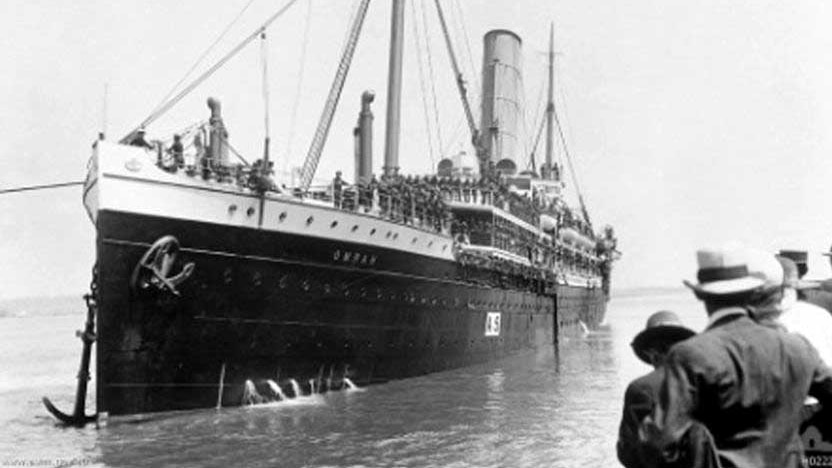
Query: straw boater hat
[(725, 271), (663, 328)]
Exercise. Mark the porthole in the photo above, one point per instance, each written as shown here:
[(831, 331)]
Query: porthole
[(309, 220), (372, 231), (333, 224), (355, 228)]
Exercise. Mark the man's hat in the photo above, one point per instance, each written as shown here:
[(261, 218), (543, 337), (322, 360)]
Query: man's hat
[(799, 257), (663, 328), (791, 278), (829, 253), (725, 271)]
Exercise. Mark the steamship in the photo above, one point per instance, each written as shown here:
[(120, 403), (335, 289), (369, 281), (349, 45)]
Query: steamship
[(213, 283)]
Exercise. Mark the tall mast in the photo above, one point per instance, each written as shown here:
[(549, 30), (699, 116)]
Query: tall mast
[(550, 105), (394, 90), (482, 156)]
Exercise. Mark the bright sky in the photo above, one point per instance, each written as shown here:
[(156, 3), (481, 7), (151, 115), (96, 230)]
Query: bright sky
[(691, 123)]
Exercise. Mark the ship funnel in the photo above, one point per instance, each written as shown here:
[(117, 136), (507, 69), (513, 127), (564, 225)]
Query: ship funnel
[(501, 108), (363, 133)]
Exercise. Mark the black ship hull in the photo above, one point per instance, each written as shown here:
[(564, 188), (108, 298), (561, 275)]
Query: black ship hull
[(264, 305)]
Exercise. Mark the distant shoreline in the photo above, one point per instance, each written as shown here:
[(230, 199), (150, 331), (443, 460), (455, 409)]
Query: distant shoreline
[(647, 291), (43, 306)]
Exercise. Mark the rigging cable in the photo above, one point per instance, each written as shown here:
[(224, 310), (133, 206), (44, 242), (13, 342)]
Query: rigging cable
[(541, 107), (463, 93), (417, 40), (571, 166), (522, 101), (474, 73), (236, 153), (207, 74), (356, 5), (432, 76), (536, 143), (202, 57), (455, 134), (40, 187), (298, 88)]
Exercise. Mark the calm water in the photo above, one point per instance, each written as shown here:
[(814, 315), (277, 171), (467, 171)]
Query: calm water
[(537, 409)]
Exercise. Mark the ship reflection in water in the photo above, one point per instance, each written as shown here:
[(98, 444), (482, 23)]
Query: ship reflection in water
[(538, 409)]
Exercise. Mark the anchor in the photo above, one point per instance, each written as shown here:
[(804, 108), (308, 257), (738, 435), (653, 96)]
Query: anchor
[(155, 266), (79, 418)]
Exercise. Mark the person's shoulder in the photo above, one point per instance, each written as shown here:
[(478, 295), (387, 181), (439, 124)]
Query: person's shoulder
[(694, 345), (700, 353), (647, 384), (648, 378)]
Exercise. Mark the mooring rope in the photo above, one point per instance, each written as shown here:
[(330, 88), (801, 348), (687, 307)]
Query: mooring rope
[(40, 187)]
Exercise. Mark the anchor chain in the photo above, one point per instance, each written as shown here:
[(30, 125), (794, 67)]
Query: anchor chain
[(79, 418), (91, 299)]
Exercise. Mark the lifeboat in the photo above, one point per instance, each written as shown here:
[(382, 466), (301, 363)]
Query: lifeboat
[(573, 237), (548, 223)]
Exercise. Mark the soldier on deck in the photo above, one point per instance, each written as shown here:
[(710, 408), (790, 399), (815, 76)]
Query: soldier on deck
[(337, 189), (407, 200), (177, 151), (395, 201), (384, 195), (139, 140)]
